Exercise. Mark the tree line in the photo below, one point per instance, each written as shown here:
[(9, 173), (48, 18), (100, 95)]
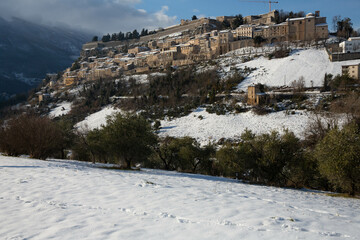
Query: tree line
[(124, 36), (327, 159)]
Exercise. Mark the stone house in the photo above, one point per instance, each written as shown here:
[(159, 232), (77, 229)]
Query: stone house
[(352, 70), (255, 96)]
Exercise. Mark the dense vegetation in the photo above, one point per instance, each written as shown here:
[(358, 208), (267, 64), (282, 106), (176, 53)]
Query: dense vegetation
[(327, 159)]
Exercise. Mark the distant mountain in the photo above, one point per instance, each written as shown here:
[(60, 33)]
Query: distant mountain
[(28, 51)]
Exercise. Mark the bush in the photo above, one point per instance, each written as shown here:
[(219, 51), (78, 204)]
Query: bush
[(128, 138), (339, 159), (35, 136)]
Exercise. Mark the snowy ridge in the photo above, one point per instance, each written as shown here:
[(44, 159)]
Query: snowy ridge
[(85, 202)]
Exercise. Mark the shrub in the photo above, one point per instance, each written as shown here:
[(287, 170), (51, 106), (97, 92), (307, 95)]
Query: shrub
[(129, 138), (36, 136), (339, 159)]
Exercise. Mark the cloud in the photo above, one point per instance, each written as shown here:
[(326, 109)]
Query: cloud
[(104, 16)]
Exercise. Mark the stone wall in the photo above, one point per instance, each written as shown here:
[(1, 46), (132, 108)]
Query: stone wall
[(338, 57)]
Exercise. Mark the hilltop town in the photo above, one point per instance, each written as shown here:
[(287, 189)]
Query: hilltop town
[(190, 42)]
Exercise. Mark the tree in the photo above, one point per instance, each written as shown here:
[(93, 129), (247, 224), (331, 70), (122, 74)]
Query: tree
[(121, 36), (237, 21), (114, 37), (67, 135), (194, 17), (135, 34), (167, 150), (326, 83), (129, 138), (339, 159), (229, 161), (225, 24), (258, 40), (335, 21), (106, 38), (95, 39), (343, 26)]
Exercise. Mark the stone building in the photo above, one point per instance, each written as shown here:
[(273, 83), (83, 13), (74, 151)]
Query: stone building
[(263, 19), (255, 96), (308, 28), (352, 70)]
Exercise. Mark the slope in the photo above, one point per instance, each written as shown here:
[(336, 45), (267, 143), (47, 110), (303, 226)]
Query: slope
[(312, 64), (73, 200)]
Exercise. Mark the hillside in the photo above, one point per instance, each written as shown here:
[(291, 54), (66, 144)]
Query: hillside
[(74, 200), (30, 50), (311, 63)]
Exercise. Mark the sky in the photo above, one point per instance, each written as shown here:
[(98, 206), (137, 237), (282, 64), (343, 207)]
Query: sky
[(109, 16)]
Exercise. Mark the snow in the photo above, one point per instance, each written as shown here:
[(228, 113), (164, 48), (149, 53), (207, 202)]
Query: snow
[(61, 109), (144, 78), (312, 64), (96, 120), (74, 200), (214, 127)]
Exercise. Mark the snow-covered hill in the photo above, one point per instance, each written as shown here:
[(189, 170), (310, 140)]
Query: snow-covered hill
[(312, 64), (73, 200)]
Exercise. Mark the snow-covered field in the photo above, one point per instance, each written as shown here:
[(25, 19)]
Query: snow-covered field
[(312, 64), (212, 127), (72, 200)]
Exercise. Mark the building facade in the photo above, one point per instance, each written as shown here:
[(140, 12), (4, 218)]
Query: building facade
[(352, 71), (352, 45)]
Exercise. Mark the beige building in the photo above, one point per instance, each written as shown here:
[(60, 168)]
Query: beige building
[(245, 31), (307, 28), (263, 19), (352, 70), (255, 96)]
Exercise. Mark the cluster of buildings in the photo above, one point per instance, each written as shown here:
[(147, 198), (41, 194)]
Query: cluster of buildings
[(184, 44)]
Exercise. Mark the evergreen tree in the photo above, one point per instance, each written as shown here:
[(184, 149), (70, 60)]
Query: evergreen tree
[(106, 38), (237, 21), (135, 34), (114, 37), (338, 155)]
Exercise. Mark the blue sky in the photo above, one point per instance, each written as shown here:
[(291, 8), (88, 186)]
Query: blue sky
[(186, 8), (109, 16)]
